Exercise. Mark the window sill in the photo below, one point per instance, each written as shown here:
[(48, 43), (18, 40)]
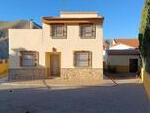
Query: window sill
[(53, 37), (88, 67), (88, 37)]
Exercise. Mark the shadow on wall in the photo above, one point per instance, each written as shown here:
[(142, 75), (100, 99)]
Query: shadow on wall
[(24, 73)]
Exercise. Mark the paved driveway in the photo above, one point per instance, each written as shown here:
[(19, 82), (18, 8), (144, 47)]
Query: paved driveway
[(124, 98)]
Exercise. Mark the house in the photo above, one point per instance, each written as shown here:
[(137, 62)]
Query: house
[(5, 25), (124, 56), (69, 46)]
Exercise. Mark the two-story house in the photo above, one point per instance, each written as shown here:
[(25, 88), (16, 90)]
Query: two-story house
[(69, 46)]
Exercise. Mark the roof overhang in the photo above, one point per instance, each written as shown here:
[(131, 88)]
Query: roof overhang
[(52, 20), (123, 52)]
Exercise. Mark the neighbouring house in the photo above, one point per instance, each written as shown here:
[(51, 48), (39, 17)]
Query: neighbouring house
[(5, 25), (69, 46), (124, 56)]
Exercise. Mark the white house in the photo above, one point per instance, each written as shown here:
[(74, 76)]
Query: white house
[(124, 55)]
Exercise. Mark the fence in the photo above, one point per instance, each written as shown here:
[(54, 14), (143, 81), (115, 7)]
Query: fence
[(3, 66)]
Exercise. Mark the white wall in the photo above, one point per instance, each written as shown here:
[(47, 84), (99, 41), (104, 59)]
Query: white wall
[(122, 60)]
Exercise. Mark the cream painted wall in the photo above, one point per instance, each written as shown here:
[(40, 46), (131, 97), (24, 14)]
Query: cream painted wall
[(122, 60), (74, 43), (23, 39), (40, 40), (79, 15)]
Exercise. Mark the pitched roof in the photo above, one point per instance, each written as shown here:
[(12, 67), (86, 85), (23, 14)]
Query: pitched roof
[(129, 42)]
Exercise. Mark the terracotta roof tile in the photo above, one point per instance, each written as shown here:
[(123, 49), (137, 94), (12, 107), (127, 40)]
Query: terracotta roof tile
[(129, 42)]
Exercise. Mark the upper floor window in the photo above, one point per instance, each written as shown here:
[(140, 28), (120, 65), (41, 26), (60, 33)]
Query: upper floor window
[(87, 31), (29, 58), (59, 31)]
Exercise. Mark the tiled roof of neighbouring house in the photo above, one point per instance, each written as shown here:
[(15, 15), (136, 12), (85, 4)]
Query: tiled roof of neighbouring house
[(129, 42)]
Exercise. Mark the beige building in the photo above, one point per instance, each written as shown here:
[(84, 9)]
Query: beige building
[(69, 46)]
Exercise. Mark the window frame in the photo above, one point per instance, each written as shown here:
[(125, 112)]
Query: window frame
[(89, 59), (93, 31), (35, 55), (64, 31)]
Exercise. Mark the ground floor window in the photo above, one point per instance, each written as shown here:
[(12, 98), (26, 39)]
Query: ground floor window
[(29, 58), (82, 59)]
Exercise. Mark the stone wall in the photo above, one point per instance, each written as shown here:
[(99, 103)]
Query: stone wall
[(82, 74), (27, 73)]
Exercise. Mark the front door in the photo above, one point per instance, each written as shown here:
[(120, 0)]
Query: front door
[(133, 65), (55, 65)]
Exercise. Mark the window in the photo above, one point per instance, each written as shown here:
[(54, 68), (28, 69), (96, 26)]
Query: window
[(29, 58), (87, 31), (82, 59), (59, 31)]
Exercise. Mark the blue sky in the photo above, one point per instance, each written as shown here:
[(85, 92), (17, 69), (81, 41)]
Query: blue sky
[(122, 17)]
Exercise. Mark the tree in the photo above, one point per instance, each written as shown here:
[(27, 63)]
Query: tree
[(144, 36)]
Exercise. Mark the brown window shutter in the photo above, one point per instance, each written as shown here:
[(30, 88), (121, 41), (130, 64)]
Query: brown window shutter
[(37, 58), (80, 30), (94, 30), (89, 59), (65, 31), (21, 59), (51, 30)]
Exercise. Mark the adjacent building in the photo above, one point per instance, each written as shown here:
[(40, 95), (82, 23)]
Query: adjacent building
[(69, 46), (124, 56)]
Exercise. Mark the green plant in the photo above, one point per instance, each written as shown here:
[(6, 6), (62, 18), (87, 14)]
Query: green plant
[(144, 36)]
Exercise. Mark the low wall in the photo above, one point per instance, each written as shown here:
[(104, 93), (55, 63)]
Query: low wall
[(87, 74), (27, 73), (146, 81)]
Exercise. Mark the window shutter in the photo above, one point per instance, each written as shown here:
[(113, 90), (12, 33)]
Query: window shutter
[(65, 30), (80, 30), (90, 59), (94, 30), (51, 30), (21, 60), (75, 59)]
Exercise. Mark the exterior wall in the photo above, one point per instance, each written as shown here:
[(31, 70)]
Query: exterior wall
[(23, 39), (146, 80), (121, 62), (121, 59), (78, 74), (41, 41), (74, 43), (78, 15)]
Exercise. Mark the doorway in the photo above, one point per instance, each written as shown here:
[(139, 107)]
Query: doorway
[(133, 65), (55, 64)]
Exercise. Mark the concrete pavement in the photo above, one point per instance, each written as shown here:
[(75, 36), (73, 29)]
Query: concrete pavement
[(123, 98)]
